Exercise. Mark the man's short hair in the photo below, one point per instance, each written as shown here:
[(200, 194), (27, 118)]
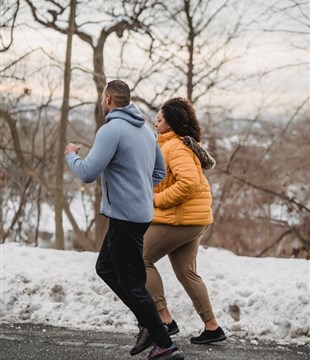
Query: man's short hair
[(119, 91)]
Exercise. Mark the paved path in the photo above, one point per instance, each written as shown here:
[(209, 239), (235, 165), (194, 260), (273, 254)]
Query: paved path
[(39, 342)]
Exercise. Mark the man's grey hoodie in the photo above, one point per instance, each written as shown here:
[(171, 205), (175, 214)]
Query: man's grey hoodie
[(126, 156)]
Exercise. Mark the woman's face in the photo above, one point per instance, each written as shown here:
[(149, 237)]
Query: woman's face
[(161, 124)]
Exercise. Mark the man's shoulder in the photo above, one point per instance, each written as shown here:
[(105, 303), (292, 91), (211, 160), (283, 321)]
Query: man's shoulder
[(109, 130)]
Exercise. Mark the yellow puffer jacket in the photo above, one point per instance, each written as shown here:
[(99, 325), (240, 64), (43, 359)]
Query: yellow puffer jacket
[(184, 196)]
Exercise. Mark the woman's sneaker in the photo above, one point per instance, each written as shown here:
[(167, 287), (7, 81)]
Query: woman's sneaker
[(170, 353), (172, 328), (208, 336)]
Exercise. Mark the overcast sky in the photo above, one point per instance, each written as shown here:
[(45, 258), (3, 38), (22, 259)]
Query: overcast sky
[(273, 40)]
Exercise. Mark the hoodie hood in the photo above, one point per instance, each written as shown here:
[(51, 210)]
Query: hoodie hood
[(129, 113)]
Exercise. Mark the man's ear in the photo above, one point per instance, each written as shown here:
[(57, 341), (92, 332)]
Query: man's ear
[(108, 99)]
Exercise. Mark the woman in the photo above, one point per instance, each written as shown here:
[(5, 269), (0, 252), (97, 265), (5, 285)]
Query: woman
[(182, 213)]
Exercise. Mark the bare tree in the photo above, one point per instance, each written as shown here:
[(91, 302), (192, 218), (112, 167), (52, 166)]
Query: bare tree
[(260, 193), (62, 132), (30, 167), (120, 17), (192, 45), (8, 19), (261, 197)]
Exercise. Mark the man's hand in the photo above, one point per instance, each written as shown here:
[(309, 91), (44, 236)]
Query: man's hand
[(72, 147)]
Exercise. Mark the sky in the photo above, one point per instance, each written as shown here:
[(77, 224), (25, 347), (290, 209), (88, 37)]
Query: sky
[(265, 50), (254, 298)]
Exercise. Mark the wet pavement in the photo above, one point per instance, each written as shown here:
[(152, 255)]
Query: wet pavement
[(41, 342)]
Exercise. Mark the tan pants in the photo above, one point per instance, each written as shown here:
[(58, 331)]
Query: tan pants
[(181, 244)]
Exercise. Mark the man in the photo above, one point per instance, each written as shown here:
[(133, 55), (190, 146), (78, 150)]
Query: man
[(126, 156)]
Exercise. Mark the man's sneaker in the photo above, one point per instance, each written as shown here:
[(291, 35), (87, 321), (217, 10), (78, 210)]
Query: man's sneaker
[(144, 340), (172, 328), (170, 353), (208, 336)]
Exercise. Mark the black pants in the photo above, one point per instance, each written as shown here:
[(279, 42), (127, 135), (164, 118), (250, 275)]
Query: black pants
[(120, 265)]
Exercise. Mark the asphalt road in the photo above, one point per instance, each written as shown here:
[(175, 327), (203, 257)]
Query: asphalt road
[(39, 342)]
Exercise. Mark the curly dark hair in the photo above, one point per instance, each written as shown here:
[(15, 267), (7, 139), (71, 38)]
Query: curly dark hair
[(181, 117)]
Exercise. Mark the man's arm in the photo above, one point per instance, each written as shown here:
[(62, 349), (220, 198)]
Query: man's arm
[(159, 172), (101, 153)]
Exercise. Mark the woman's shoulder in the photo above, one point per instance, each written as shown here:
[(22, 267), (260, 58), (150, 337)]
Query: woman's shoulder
[(176, 149), (173, 144)]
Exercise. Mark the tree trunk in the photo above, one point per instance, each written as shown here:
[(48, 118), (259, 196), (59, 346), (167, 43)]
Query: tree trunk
[(101, 223), (59, 235)]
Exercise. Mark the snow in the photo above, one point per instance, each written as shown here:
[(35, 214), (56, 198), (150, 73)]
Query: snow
[(254, 298)]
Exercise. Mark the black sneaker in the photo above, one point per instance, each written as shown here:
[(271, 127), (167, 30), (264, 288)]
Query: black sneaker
[(172, 328), (208, 336), (144, 340), (170, 353)]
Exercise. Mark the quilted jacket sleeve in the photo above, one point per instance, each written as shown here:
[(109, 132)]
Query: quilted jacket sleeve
[(181, 182)]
